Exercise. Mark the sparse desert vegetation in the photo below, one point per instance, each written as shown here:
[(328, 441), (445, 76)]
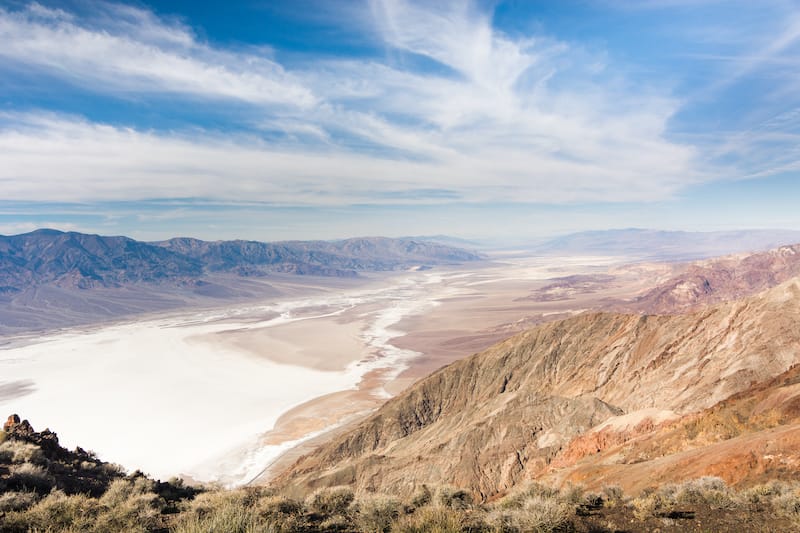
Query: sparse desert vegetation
[(46, 488)]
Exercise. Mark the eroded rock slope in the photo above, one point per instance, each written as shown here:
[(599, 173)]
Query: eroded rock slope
[(500, 417)]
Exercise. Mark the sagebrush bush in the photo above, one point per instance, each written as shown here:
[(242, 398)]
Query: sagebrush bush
[(279, 507), (430, 520), (376, 514), (30, 476), (130, 505), (231, 518), (422, 497), (517, 499), (787, 504), (708, 490), (613, 495), (454, 498), (15, 451), (650, 505), (331, 501), (16, 501), (55, 512), (573, 493), (537, 514)]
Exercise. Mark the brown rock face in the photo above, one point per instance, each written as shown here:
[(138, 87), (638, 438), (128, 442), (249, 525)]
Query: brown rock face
[(749, 438), (722, 279), (12, 421), (500, 417)]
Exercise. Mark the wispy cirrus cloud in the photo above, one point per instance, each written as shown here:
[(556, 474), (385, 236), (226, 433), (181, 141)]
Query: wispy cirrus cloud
[(124, 49), (490, 118)]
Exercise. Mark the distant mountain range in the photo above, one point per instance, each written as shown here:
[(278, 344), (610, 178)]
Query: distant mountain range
[(51, 279), (665, 245), (78, 260)]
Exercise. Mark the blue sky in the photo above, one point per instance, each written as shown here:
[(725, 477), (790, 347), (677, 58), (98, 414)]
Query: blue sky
[(304, 119)]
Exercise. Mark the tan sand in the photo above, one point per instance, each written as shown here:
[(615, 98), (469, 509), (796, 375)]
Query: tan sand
[(329, 343)]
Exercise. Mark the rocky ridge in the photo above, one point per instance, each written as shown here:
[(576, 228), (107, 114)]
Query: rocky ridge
[(77, 260), (500, 417), (721, 279)]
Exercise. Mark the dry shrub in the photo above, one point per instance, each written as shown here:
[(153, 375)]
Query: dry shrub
[(376, 514), (130, 505), (229, 511), (279, 507), (331, 501), (430, 520), (711, 491), (15, 451), (454, 498), (787, 504), (533, 490), (650, 505), (537, 514), (228, 519), (30, 476), (207, 503), (16, 501), (422, 497), (55, 512), (286, 515), (613, 495), (573, 493)]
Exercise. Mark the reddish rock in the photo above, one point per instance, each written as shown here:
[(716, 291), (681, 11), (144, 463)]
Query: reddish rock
[(12, 421)]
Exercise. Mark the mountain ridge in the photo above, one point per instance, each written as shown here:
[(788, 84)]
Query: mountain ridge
[(497, 418), (663, 245), (83, 261)]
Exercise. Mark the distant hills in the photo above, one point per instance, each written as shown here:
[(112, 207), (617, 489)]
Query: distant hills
[(665, 245), (720, 279), (51, 279), (78, 260)]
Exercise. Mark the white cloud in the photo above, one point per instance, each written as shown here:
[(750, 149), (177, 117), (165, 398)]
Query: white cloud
[(505, 119), (133, 51), (56, 158)]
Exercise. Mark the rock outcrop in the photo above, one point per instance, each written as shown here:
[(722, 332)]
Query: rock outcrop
[(750, 438), (721, 279), (500, 417), (12, 421)]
